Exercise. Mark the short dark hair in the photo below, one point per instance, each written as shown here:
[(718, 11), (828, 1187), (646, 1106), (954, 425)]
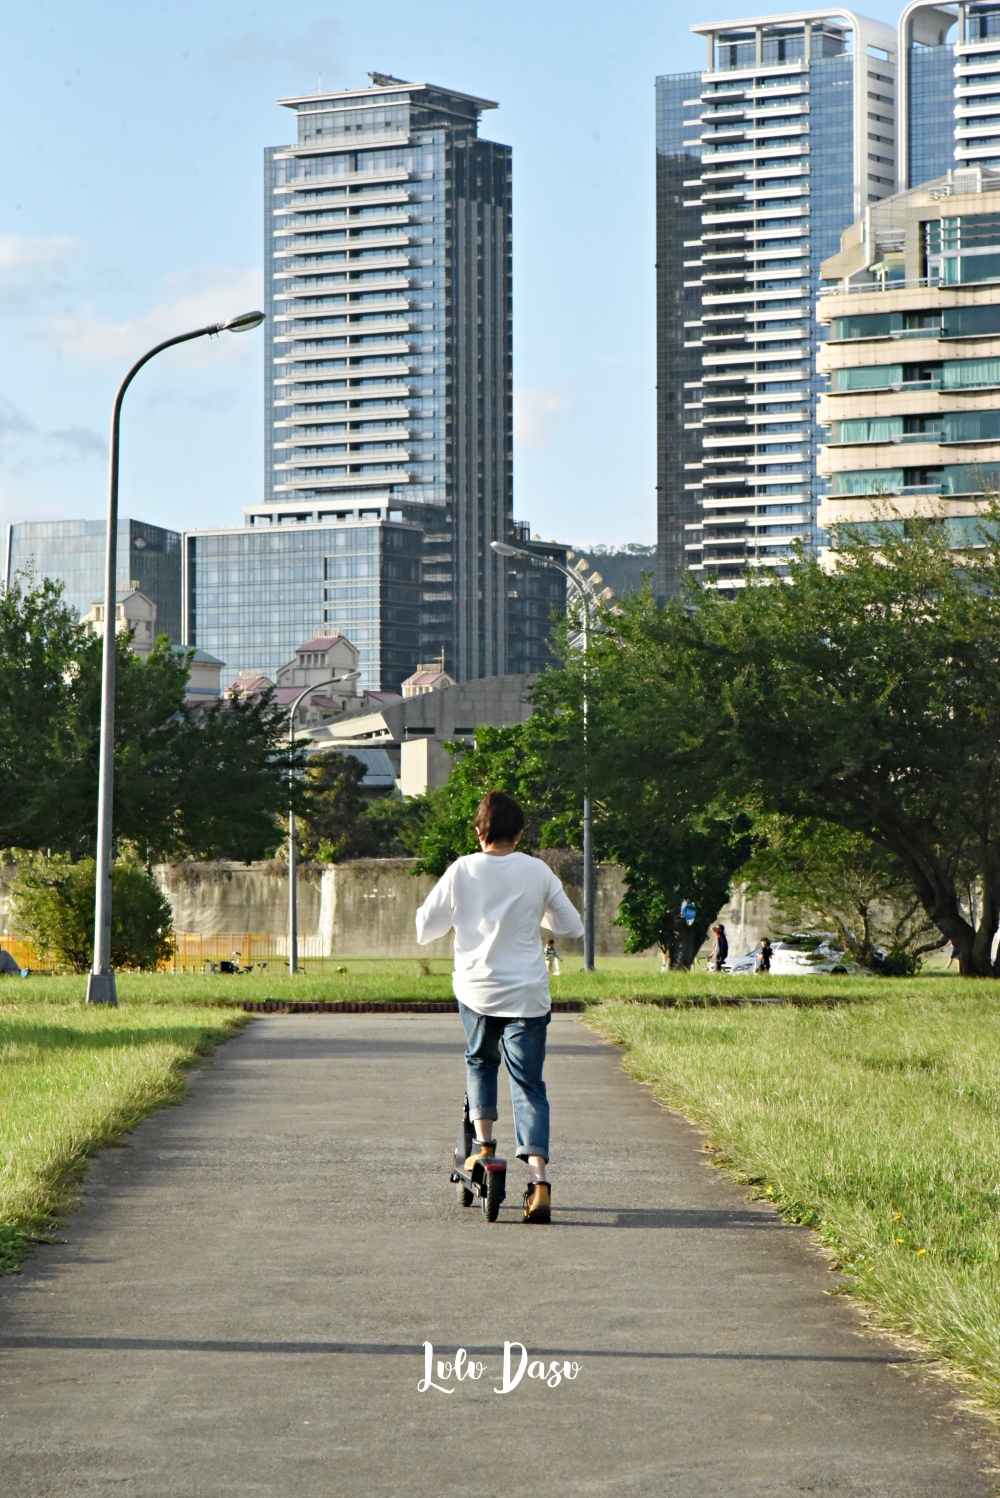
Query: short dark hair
[(499, 818)]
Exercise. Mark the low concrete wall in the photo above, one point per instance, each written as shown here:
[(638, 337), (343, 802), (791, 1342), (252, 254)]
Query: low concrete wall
[(209, 898), (362, 908)]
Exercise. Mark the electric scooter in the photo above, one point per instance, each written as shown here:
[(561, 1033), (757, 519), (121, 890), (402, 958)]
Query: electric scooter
[(487, 1178)]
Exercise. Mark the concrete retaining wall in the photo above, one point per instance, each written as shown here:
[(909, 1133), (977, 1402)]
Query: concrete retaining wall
[(362, 908)]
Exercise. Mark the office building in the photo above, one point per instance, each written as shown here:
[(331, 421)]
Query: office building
[(388, 358), (72, 552), (911, 355), (536, 600), (794, 121), (253, 593)]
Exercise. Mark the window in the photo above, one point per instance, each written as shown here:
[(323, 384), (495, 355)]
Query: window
[(962, 373), (869, 377)]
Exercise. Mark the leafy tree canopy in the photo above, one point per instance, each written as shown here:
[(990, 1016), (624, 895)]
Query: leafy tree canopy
[(867, 697), (523, 760), (189, 783), (827, 876)]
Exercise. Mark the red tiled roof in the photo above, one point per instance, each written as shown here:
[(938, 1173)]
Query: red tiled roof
[(250, 685), (285, 696), (322, 643)]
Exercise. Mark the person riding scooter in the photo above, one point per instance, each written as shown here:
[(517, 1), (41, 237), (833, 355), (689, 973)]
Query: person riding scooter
[(495, 901)]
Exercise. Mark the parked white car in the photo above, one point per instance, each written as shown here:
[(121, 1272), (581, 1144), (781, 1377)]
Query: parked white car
[(813, 952)]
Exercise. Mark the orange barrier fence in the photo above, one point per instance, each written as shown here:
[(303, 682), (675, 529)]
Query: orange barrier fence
[(23, 952), (194, 953)]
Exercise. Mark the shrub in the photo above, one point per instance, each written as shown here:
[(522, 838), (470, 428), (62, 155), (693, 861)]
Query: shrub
[(52, 904)]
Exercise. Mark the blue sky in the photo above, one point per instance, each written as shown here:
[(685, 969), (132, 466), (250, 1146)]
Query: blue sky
[(133, 138)]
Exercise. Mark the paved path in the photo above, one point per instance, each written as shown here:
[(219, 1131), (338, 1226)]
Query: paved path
[(242, 1300)]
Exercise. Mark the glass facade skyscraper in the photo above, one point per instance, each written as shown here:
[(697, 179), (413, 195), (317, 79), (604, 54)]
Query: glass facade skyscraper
[(252, 594), (388, 361), (72, 552), (794, 122)]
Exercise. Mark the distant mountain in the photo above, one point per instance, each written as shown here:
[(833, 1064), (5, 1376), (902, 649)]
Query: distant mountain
[(621, 567)]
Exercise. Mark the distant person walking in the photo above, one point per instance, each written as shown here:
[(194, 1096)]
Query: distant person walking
[(551, 958), (720, 950), (766, 953), (495, 901)]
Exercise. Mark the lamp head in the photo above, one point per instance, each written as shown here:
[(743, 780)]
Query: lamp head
[(503, 550), (243, 323)]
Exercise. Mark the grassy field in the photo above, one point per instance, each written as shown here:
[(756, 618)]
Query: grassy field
[(878, 1124), (73, 1079), (373, 979)]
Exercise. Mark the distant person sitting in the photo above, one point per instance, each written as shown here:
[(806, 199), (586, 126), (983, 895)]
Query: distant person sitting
[(552, 958), (766, 953), (720, 950), (9, 966)]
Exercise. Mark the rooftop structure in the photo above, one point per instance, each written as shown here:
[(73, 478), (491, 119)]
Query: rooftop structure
[(134, 613), (431, 677)]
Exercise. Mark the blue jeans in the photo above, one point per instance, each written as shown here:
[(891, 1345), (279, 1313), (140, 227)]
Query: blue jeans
[(523, 1045)]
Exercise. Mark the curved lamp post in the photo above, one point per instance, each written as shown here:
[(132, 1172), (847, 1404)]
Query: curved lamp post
[(589, 602), (293, 903), (101, 983)]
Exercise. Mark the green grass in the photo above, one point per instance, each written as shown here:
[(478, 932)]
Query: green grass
[(374, 979), (877, 1124), (74, 1079)]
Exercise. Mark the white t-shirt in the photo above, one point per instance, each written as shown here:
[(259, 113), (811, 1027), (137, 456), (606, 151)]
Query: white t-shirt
[(496, 904)]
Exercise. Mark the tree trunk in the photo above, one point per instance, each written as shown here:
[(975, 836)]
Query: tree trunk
[(684, 945)]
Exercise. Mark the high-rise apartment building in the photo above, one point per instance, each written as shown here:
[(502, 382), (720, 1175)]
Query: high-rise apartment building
[(911, 319), (949, 104), (72, 552), (794, 122), (388, 360), (678, 313)]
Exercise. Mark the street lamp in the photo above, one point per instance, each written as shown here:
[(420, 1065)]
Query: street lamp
[(293, 903), (589, 601), (101, 983)]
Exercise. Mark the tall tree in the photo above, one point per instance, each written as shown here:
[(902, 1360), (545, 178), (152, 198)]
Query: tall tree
[(189, 782), (672, 864), (849, 884), (521, 760), (867, 697)]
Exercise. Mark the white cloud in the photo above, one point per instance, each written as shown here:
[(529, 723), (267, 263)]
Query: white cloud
[(313, 51), (12, 422), (31, 269), (24, 446), (538, 411), (185, 301)]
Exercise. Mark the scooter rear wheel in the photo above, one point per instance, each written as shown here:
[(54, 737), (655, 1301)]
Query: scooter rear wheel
[(493, 1195), (465, 1196)]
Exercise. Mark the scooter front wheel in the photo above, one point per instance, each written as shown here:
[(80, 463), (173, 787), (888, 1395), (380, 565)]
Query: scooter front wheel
[(465, 1196), (494, 1194)]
